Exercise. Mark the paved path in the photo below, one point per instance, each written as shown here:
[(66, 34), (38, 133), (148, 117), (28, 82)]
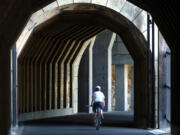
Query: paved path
[(81, 124), (80, 130), (110, 118)]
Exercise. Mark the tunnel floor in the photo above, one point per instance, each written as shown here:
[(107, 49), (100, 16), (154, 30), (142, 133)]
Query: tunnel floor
[(110, 119), (80, 130), (114, 123)]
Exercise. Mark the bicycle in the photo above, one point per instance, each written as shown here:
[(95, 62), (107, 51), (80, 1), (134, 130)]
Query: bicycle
[(98, 117)]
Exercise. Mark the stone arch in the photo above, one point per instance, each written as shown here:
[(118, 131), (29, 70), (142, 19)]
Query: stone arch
[(131, 36)]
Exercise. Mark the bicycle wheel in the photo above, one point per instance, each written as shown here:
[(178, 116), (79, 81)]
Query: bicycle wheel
[(98, 121)]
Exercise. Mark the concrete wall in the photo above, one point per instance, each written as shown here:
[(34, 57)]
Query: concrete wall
[(100, 64), (164, 83)]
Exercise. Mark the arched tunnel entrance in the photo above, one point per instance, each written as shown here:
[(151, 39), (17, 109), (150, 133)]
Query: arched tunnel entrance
[(48, 64), (164, 13)]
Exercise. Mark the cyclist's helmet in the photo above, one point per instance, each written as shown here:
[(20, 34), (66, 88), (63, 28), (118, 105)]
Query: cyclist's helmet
[(98, 88)]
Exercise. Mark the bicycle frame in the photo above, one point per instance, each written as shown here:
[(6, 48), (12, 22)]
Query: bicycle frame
[(98, 117), (98, 110)]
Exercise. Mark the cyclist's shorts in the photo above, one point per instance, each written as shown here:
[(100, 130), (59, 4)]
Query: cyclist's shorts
[(97, 104)]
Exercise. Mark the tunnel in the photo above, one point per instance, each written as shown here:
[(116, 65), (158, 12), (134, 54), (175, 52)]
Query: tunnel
[(49, 60)]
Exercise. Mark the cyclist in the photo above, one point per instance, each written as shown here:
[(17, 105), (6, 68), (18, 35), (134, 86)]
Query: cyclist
[(98, 100)]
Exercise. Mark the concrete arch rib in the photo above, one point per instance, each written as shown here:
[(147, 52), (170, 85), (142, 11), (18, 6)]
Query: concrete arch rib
[(125, 8)]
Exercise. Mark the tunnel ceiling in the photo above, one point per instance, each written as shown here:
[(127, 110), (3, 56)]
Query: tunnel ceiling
[(63, 27), (51, 32), (48, 37)]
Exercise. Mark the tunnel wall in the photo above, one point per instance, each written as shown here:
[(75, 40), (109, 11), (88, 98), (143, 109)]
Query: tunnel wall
[(47, 74)]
